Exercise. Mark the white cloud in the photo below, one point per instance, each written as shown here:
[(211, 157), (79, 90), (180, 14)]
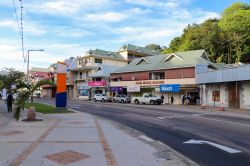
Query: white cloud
[(106, 17), (65, 7)]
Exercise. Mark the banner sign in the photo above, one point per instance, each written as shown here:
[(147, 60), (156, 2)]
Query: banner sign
[(170, 88), (133, 89), (116, 89)]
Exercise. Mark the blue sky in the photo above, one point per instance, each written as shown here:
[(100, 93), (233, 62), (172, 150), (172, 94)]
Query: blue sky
[(65, 28)]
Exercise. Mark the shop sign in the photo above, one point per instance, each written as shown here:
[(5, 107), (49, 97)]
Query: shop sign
[(116, 89), (170, 88), (97, 83), (158, 82), (133, 88)]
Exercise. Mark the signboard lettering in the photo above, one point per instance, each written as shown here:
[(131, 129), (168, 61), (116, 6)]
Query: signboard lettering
[(170, 88)]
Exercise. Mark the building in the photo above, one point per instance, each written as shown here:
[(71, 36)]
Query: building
[(131, 52), (147, 74), (91, 72), (227, 87), (87, 66), (37, 74)]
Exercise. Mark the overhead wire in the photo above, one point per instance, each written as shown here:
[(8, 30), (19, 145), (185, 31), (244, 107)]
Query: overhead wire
[(20, 25)]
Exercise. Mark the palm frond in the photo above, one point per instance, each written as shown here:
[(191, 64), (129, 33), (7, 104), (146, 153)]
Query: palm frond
[(41, 83)]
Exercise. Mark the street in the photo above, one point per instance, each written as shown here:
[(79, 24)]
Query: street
[(211, 138)]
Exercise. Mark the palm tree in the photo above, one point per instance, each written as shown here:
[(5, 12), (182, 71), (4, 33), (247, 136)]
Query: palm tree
[(27, 91), (31, 88)]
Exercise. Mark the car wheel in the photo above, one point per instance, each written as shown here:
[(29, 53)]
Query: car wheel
[(122, 101), (136, 101), (103, 100), (94, 100), (151, 102)]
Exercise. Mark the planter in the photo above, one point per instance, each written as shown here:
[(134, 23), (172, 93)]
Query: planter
[(31, 116)]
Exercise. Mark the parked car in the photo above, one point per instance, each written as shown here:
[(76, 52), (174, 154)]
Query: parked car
[(121, 99), (147, 98), (102, 98)]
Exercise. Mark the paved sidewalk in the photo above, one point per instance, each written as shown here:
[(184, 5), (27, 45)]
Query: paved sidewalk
[(80, 139), (5, 116)]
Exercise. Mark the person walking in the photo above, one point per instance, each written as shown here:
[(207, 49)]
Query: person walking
[(162, 99), (197, 100), (9, 101), (172, 100), (183, 99)]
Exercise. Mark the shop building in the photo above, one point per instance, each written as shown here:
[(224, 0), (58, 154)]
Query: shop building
[(147, 74), (83, 80), (84, 77), (38, 74), (227, 87)]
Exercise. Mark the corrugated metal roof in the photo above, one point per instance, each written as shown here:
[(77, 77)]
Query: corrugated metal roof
[(104, 71), (157, 62)]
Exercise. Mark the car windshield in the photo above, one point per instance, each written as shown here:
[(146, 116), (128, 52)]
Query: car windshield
[(103, 94), (151, 95)]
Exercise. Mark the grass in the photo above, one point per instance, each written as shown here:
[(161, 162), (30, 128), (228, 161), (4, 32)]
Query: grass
[(45, 109)]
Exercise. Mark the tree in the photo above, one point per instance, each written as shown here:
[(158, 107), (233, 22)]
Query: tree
[(10, 77), (235, 22), (31, 88), (25, 92), (1, 84), (155, 47), (226, 40)]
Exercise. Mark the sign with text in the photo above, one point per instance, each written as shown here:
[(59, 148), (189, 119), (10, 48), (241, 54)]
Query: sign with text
[(97, 83), (133, 89), (149, 82), (170, 88)]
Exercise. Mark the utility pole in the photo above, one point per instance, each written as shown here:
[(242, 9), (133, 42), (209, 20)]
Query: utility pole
[(28, 62)]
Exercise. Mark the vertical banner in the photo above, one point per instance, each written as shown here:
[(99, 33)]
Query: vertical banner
[(61, 93)]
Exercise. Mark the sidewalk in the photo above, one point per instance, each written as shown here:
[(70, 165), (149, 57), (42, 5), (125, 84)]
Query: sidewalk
[(80, 139), (5, 116)]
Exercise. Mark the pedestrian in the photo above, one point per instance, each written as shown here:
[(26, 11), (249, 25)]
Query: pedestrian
[(9, 101), (197, 100), (183, 99), (172, 100), (162, 99)]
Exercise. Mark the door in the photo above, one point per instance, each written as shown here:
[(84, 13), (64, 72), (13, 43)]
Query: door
[(233, 95)]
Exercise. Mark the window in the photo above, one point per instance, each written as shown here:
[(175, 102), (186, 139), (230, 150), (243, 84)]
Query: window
[(216, 95), (98, 60), (80, 75)]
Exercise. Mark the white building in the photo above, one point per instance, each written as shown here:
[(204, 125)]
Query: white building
[(228, 87)]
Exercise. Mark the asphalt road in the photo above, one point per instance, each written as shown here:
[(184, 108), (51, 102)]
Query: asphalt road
[(174, 127)]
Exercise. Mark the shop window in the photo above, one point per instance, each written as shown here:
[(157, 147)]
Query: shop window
[(98, 60), (216, 95)]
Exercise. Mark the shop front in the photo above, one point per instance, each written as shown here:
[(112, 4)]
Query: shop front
[(166, 87), (98, 87)]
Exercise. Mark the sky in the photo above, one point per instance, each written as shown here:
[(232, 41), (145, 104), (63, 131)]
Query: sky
[(66, 28)]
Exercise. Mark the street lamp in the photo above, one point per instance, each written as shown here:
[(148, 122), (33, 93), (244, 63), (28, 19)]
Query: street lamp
[(28, 62)]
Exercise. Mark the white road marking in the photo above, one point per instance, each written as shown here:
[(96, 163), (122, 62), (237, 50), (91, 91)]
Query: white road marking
[(235, 123), (225, 148), (98, 106), (146, 138), (161, 117)]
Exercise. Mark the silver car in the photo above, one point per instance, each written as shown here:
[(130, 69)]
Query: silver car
[(121, 99)]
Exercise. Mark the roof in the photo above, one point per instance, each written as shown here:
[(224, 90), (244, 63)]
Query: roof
[(104, 54), (144, 50), (168, 61), (84, 68), (104, 71), (39, 69)]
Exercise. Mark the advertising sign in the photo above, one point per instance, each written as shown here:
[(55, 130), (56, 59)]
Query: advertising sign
[(97, 83), (116, 89), (133, 88), (170, 88)]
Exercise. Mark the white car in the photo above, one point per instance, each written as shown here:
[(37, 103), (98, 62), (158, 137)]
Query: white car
[(121, 99), (102, 98)]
